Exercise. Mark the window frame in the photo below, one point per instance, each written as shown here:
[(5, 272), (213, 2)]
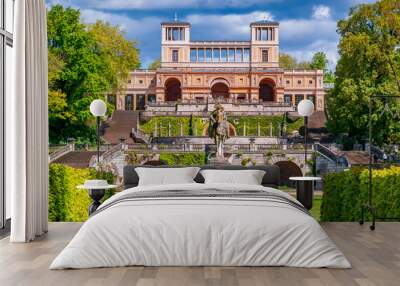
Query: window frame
[(193, 55), (6, 40), (246, 55), (239, 55), (129, 98), (201, 55), (298, 98), (224, 58), (175, 56), (209, 55), (216, 55), (265, 52), (231, 55)]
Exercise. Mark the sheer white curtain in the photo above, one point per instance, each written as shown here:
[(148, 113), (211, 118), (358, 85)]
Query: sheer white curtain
[(27, 124)]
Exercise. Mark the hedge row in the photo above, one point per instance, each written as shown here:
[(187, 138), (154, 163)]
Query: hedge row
[(265, 122), (162, 122), (66, 202), (183, 159), (189, 123), (345, 192)]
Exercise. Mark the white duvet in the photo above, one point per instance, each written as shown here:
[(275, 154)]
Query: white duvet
[(200, 231)]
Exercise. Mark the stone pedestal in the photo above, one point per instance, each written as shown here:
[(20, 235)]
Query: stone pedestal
[(217, 160)]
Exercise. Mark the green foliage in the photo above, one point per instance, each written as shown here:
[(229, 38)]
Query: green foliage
[(183, 159), (66, 202), (368, 65), (247, 161), (319, 61), (251, 123), (195, 125), (316, 209), (329, 77), (161, 123), (85, 62), (345, 193), (286, 61), (155, 65)]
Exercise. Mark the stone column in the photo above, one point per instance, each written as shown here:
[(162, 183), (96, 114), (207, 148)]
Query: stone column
[(155, 129), (270, 130)]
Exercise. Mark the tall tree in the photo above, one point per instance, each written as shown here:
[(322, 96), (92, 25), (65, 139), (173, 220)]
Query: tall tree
[(83, 66), (304, 65), (286, 61), (120, 54), (369, 65), (319, 61), (155, 65)]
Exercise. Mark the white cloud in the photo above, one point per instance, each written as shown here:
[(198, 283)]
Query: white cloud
[(306, 52), (133, 28), (304, 30), (230, 26), (321, 12)]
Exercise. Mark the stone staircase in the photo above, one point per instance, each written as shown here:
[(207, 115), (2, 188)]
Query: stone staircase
[(76, 159), (120, 125), (329, 160)]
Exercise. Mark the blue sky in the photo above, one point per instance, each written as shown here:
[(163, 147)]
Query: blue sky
[(305, 26)]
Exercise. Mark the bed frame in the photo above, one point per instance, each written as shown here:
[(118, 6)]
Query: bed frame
[(270, 179)]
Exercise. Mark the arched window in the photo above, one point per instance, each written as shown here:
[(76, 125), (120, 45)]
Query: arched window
[(220, 90), (173, 90), (267, 90)]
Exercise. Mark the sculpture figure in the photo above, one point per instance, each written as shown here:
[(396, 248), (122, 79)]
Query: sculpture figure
[(218, 128)]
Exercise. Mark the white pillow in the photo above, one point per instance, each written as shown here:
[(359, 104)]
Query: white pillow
[(248, 177), (166, 176)]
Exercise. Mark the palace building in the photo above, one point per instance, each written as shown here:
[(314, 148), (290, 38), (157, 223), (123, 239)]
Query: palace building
[(243, 75)]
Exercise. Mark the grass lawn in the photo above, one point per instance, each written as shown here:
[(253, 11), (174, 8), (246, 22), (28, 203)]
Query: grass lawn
[(316, 210)]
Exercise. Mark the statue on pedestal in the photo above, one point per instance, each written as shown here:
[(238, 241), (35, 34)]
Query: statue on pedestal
[(218, 129)]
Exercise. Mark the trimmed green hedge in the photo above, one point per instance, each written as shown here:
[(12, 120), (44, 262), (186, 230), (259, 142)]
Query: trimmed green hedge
[(188, 123), (345, 192), (183, 159), (265, 123), (66, 202)]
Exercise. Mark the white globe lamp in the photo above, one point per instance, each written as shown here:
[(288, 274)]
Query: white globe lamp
[(305, 108), (98, 108)]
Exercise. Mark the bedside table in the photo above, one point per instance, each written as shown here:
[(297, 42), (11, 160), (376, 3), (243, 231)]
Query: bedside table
[(305, 190), (96, 192)]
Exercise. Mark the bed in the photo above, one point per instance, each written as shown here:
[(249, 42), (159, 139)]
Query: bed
[(201, 224)]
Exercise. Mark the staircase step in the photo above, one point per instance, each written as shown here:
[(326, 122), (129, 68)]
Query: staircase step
[(120, 126)]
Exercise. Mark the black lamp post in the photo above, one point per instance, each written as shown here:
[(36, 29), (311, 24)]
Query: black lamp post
[(305, 108), (98, 108), (369, 205)]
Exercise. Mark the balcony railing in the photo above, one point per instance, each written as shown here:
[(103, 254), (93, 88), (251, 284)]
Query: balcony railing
[(230, 148), (209, 100)]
